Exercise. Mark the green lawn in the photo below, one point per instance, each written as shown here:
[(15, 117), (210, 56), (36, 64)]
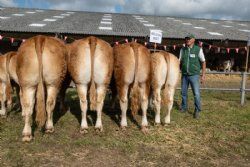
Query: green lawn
[(221, 137)]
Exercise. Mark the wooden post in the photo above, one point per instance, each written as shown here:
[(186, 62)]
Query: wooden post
[(243, 87), (244, 76)]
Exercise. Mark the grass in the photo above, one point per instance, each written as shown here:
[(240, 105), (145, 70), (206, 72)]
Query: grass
[(224, 81), (221, 137)]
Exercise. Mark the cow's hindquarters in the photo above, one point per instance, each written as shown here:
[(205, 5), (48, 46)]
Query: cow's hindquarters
[(165, 75), (91, 64)]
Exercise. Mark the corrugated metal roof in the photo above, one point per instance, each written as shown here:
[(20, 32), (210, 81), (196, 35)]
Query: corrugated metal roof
[(93, 23)]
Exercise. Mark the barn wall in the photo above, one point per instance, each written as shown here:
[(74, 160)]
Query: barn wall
[(7, 46), (214, 59)]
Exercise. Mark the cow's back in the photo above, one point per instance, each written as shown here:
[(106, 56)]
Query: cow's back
[(165, 69), (103, 60), (79, 57), (79, 64), (158, 69), (53, 61), (143, 64), (12, 66), (125, 62), (27, 63)]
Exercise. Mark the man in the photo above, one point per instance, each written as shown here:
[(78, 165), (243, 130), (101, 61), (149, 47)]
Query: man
[(192, 59)]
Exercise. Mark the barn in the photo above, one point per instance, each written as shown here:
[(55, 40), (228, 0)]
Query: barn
[(221, 39)]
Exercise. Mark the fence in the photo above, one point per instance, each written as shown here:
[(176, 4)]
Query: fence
[(226, 78)]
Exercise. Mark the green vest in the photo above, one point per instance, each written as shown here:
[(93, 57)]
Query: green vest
[(190, 62)]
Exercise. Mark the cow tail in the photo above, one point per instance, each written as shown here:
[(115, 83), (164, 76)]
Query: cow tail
[(40, 94), (92, 92), (165, 95), (135, 99)]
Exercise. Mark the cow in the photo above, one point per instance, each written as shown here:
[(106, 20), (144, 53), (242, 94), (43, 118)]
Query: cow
[(228, 64), (90, 64), (7, 73), (165, 70), (132, 76), (41, 68), (221, 62)]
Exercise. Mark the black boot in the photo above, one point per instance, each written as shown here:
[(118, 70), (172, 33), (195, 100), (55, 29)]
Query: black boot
[(196, 115)]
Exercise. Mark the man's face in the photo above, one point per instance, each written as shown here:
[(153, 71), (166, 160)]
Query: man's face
[(189, 41)]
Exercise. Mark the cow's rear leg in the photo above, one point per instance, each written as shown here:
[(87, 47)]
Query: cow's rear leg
[(113, 90), (27, 101), (157, 104), (123, 99), (82, 93), (3, 99), (101, 89), (144, 106), (63, 107), (170, 100), (50, 105), (9, 102)]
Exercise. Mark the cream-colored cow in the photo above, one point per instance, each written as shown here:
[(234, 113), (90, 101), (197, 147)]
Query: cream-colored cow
[(164, 74), (7, 73), (132, 70), (91, 64), (41, 66)]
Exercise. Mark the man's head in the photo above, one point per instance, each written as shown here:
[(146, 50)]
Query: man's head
[(190, 39)]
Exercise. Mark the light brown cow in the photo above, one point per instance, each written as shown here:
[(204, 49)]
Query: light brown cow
[(41, 66), (132, 70), (91, 63), (7, 73), (165, 74)]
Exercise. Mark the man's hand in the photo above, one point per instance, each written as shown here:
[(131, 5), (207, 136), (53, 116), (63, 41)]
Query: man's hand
[(203, 72), (202, 78)]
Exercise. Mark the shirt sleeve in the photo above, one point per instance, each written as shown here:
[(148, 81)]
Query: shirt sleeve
[(180, 55), (201, 55)]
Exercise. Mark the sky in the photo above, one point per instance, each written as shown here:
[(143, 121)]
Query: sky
[(208, 9)]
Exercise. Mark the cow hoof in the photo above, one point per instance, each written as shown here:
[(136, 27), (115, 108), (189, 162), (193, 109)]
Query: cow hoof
[(99, 129), (3, 116), (84, 130), (144, 129), (157, 124), (123, 128), (2, 113), (9, 105), (50, 130), (27, 138), (166, 124)]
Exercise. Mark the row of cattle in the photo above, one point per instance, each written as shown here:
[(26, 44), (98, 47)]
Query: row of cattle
[(44, 66)]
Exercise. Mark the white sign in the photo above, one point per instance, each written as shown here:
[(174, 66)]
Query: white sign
[(248, 43), (155, 36)]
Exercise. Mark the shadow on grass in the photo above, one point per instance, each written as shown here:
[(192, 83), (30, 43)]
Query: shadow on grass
[(115, 113), (15, 107), (72, 103)]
